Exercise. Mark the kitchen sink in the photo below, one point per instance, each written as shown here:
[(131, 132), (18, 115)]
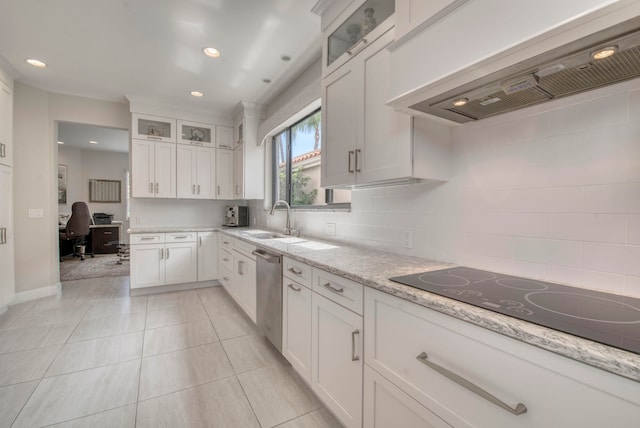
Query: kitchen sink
[(268, 235)]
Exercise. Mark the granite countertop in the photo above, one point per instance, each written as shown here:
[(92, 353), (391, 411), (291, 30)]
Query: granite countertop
[(171, 229), (373, 268)]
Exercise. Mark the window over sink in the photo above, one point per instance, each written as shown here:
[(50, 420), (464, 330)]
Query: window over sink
[(296, 160)]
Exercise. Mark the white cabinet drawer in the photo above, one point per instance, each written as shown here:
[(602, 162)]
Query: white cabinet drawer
[(226, 242), (225, 277), (338, 289), (297, 271), (386, 405), (226, 260), (146, 238), (244, 248), (181, 237), (398, 332)]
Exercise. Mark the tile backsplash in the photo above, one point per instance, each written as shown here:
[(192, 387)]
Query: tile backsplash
[(549, 192)]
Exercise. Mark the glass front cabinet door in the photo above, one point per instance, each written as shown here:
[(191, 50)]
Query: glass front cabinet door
[(153, 128), (194, 133), (359, 25)]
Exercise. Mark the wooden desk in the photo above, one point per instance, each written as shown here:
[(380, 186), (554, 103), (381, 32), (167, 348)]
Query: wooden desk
[(104, 238)]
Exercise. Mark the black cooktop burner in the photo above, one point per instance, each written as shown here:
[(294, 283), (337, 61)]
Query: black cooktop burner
[(602, 317)]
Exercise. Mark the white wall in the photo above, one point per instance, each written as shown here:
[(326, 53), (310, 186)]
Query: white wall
[(35, 175), (177, 212), (549, 192), (85, 165)]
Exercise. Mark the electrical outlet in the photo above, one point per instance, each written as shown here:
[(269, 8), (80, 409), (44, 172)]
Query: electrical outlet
[(330, 229), (407, 239)]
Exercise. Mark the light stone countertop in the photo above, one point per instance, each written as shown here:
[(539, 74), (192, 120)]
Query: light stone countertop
[(373, 268)]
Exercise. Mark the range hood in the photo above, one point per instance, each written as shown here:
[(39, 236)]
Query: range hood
[(564, 71)]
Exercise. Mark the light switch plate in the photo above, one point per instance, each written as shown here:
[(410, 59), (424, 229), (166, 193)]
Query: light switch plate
[(36, 213)]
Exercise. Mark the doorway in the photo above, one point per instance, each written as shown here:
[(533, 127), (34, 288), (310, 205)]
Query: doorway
[(93, 167)]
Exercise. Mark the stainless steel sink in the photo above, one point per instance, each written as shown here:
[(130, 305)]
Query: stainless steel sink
[(268, 235)]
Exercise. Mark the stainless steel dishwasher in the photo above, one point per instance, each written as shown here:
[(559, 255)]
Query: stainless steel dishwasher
[(269, 295)]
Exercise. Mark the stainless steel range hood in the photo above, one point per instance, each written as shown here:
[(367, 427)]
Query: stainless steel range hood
[(567, 70)]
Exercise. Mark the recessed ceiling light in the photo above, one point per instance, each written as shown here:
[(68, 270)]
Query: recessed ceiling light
[(604, 52), (285, 57), (211, 52), (60, 142), (196, 94), (460, 102), (36, 63), (266, 80), (93, 142)]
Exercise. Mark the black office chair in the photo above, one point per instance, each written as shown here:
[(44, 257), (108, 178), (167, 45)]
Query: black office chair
[(77, 229)]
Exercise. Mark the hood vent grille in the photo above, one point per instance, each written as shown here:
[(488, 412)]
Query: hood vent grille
[(552, 75)]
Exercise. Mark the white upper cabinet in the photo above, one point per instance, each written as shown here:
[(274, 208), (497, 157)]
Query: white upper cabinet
[(6, 125), (414, 15), (195, 133), (357, 27), (366, 142), (224, 137), (154, 128), (196, 172), (153, 169)]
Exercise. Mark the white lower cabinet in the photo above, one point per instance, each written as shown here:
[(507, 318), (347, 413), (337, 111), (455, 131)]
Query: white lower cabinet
[(163, 259), (244, 283), (336, 374), (207, 256), (296, 326), (472, 377), (387, 406)]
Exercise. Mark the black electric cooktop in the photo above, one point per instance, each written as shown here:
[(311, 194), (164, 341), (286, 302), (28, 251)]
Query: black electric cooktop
[(602, 317)]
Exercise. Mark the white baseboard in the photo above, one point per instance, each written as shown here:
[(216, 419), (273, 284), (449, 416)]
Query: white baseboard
[(174, 287), (38, 293)]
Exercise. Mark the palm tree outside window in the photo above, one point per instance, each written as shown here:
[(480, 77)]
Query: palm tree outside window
[(297, 157)]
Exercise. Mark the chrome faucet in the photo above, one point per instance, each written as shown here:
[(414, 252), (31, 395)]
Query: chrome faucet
[(288, 230)]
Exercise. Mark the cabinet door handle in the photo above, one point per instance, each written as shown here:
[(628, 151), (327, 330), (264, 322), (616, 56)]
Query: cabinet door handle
[(198, 189), (200, 241), (3, 235), (349, 161), (237, 189), (240, 270), (150, 187), (147, 238), (3, 151), (293, 287), (355, 48), (107, 233), (225, 259), (517, 410), (149, 137), (180, 237), (167, 253), (161, 253), (357, 168), (354, 357), (157, 187), (332, 288), (193, 189), (218, 190), (295, 271), (225, 278)]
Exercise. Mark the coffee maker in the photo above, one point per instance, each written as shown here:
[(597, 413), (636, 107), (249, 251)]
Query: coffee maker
[(236, 216)]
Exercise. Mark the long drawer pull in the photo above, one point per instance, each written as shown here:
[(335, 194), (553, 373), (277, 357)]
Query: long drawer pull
[(181, 237), (225, 278), (354, 357), (293, 287), (517, 410), (107, 233), (295, 271), (349, 169), (332, 288), (147, 238)]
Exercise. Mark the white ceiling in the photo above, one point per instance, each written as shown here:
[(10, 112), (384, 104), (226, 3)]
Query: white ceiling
[(151, 50), (78, 135)]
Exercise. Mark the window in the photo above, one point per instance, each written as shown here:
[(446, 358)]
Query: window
[(297, 157)]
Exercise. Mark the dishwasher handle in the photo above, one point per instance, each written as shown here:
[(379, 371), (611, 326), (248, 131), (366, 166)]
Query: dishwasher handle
[(269, 257)]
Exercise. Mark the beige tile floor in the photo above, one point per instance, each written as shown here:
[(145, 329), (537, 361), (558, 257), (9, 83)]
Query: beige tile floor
[(95, 357)]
